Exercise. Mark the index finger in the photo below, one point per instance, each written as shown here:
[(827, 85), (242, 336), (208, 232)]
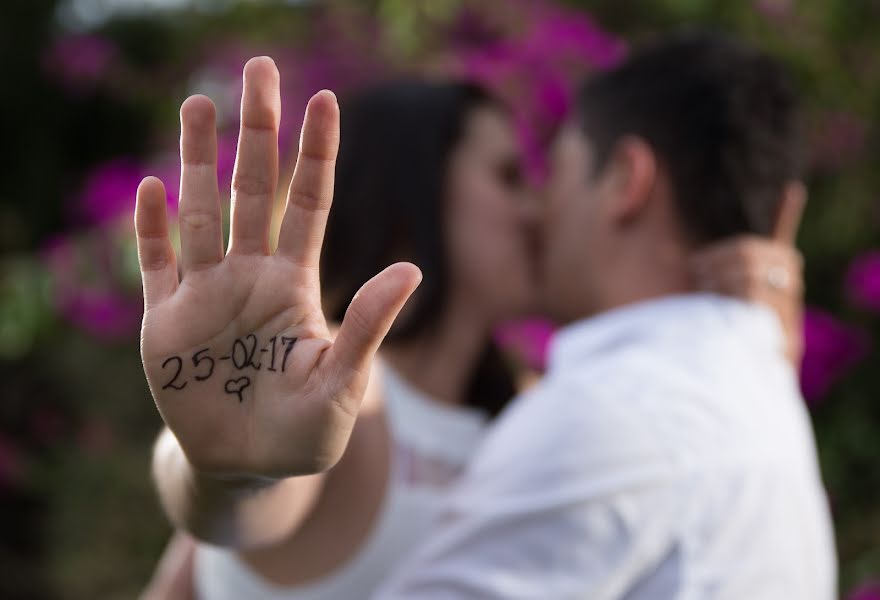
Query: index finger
[(742, 251), (791, 209), (311, 189)]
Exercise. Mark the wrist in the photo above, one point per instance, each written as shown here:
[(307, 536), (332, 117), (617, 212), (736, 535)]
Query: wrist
[(170, 460)]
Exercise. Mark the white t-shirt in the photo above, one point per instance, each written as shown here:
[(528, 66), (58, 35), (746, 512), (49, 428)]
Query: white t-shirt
[(431, 443), (666, 455)]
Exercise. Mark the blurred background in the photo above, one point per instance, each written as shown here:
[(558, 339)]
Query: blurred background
[(89, 105)]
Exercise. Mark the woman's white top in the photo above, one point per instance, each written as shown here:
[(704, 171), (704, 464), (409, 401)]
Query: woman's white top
[(430, 444)]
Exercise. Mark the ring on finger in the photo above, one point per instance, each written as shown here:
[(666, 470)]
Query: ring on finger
[(778, 277)]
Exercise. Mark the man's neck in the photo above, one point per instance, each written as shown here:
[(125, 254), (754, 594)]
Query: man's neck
[(648, 286)]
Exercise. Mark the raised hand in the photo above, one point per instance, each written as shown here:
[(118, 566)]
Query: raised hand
[(766, 270), (236, 351)]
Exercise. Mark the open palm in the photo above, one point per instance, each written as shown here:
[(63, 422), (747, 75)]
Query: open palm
[(237, 352)]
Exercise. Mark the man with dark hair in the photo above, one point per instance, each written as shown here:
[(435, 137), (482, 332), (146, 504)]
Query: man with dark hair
[(667, 452), (721, 117)]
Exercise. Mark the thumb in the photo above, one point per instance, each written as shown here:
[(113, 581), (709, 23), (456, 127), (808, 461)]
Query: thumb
[(370, 315), (791, 209)]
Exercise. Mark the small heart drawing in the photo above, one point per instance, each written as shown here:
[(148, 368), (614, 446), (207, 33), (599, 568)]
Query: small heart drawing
[(237, 386)]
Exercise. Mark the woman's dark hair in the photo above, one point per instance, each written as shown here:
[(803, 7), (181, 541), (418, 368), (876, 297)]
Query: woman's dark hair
[(391, 179)]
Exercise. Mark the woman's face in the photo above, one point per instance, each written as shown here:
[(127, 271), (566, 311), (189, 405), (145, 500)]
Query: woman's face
[(492, 219)]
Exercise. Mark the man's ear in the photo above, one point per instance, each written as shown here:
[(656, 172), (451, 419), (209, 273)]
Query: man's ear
[(633, 176)]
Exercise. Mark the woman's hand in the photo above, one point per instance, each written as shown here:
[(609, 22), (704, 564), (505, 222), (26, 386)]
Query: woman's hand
[(236, 350), (764, 270)]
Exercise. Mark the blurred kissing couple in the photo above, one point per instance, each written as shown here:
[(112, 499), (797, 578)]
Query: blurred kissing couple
[(395, 451)]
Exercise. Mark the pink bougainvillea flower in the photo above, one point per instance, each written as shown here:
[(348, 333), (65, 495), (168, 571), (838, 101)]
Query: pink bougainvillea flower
[(537, 69), (867, 591), (107, 314), (109, 190), (227, 146), (831, 348), (528, 339), (88, 287), (573, 35), (862, 281), (167, 169), (79, 62)]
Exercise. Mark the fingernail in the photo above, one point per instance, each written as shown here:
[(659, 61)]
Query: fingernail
[(326, 92)]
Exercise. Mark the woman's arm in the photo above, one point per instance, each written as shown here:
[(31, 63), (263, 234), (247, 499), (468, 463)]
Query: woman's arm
[(248, 513), (173, 577), (297, 501), (241, 512), (258, 397)]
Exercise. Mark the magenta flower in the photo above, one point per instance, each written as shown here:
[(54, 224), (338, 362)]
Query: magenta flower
[(862, 281), (554, 97), (227, 146), (830, 350), (79, 62), (536, 70), (867, 591), (89, 287), (528, 339), (167, 169), (110, 190), (573, 35), (106, 315)]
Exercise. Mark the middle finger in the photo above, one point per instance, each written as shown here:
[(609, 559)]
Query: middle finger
[(256, 165)]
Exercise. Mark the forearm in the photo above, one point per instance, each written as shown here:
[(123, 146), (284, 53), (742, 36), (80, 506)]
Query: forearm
[(242, 513), (173, 578)]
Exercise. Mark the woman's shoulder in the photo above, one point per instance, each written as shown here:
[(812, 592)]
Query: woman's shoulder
[(431, 441)]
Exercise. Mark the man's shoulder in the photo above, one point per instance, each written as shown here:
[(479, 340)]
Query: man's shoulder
[(567, 437), (577, 401), (562, 397)]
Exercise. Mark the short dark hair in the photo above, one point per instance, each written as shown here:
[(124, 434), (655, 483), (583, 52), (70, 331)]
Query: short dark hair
[(721, 117), (389, 203)]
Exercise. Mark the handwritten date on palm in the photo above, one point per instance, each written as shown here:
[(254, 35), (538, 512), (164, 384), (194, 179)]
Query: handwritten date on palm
[(244, 355)]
